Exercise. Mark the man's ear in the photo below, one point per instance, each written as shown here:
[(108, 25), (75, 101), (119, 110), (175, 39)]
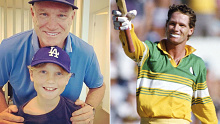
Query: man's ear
[(32, 11), (191, 30), (73, 14)]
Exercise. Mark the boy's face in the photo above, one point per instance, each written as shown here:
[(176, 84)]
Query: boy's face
[(49, 80)]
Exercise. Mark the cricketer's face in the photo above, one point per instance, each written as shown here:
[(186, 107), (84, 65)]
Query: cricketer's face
[(49, 80), (52, 22), (177, 28)]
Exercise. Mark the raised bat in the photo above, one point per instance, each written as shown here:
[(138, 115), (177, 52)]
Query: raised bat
[(122, 7)]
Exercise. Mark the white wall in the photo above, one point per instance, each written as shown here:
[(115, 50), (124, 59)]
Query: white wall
[(99, 38)]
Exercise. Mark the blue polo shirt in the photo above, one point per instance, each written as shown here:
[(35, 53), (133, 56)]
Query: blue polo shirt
[(16, 54)]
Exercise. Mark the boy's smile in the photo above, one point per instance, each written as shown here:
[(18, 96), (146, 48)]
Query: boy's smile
[(49, 88)]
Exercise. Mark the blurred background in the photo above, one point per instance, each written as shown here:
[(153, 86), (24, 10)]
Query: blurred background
[(150, 25)]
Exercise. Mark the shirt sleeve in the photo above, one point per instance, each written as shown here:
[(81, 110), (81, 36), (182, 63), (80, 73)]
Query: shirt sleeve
[(202, 105), (93, 76), (5, 65), (138, 45)]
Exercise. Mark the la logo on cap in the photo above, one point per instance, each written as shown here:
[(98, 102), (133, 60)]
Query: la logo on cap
[(53, 52)]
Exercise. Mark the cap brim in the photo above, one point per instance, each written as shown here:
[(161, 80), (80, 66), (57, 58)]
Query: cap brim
[(73, 6), (49, 61)]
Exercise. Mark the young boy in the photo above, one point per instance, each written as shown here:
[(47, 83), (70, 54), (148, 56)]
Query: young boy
[(50, 72)]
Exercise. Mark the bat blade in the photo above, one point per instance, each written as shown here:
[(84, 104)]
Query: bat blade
[(122, 6)]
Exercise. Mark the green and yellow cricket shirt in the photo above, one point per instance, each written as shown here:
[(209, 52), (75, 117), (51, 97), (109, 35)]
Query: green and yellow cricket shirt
[(167, 90)]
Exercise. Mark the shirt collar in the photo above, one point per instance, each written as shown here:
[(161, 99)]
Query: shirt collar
[(161, 45), (35, 43), (68, 46)]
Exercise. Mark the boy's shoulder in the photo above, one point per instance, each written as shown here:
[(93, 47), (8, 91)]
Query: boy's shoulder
[(69, 103)]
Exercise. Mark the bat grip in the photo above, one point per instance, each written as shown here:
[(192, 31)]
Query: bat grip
[(131, 48)]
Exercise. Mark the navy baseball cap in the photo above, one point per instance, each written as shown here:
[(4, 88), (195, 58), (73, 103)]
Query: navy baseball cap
[(68, 2), (54, 55)]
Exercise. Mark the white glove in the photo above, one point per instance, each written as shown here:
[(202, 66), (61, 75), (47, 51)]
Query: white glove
[(123, 23)]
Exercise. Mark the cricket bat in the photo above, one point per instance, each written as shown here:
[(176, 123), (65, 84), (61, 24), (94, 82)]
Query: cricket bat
[(122, 7)]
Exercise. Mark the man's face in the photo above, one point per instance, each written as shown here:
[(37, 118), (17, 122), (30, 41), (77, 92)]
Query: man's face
[(52, 22), (49, 80), (177, 29)]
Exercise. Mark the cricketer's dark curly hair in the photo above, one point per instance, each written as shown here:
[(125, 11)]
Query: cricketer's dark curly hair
[(183, 8)]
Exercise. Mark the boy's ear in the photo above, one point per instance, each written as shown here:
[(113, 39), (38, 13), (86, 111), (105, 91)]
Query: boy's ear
[(69, 76), (31, 75)]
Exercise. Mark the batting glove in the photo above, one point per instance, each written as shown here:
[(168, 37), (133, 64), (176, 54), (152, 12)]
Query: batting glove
[(123, 23)]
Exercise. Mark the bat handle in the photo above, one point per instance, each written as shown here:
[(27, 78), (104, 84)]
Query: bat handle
[(129, 41)]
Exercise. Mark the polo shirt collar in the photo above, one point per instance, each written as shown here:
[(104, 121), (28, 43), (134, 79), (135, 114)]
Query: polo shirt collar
[(35, 43), (68, 46), (161, 45)]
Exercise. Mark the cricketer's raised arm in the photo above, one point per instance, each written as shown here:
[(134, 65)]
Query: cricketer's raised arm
[(123, 23)]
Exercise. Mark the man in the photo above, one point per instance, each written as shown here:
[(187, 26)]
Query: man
[(52, 21), (171, 80)]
